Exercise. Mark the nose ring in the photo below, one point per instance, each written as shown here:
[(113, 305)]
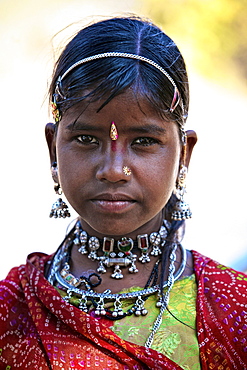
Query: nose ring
[(126, 171)]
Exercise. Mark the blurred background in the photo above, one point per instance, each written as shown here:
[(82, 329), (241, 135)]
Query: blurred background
[(212, 37)]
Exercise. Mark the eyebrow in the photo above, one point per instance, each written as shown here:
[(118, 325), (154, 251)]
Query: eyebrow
[(148, 129), (79, 126), (143, 129)]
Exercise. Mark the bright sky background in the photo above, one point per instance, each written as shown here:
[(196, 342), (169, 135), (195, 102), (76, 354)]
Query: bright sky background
[(217, 175)]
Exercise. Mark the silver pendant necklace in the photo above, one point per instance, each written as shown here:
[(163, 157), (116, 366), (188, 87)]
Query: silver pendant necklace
[(60, 276), (60, 273), (119, 253)]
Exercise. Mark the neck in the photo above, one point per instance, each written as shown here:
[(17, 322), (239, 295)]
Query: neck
[(119, 259), (147, 228)]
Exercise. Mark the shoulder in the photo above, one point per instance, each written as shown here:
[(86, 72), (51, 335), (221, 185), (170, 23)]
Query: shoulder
[(12, 301), (222, 291), (206, 265), (15, 275), (12, 288), (211, 274), (17, 326), (221, 310), (11, 283), (15, 291)]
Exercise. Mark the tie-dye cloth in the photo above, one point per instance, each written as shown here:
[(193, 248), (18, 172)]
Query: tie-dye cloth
[(39, 330)]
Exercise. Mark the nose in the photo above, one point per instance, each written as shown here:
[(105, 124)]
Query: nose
[(111, 166)]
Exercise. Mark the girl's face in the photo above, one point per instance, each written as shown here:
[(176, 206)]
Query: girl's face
[(90, 165)]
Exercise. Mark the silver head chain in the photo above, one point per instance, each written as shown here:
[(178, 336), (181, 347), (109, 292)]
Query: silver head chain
[(176, 95)]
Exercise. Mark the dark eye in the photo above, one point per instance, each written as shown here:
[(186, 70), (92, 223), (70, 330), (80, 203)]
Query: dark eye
[(87, 139), (145, 141)]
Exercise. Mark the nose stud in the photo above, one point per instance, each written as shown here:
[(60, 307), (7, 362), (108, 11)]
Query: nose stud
[(126, 171), (113, 132)]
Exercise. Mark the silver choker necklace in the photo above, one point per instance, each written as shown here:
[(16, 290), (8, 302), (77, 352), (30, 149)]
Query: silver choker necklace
[(60, 276), (118, 253)]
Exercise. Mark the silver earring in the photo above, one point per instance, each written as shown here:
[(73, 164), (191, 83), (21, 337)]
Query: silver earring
[(59, 208), (181, 209)]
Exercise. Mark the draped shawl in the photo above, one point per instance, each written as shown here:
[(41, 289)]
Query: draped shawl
[(39, 330)]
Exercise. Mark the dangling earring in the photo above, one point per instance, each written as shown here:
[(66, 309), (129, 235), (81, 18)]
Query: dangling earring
[(181, 209), (59, 208)]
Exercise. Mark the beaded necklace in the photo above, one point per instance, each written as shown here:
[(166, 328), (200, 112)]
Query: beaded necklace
[(60, 276)]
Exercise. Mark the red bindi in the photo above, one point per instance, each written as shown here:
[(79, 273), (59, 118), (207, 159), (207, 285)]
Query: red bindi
[(113, 146)]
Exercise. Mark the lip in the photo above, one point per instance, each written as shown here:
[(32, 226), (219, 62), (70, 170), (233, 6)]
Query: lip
[(110, 202), (113, 197)]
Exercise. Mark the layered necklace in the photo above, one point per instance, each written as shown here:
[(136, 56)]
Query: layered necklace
[(116, 254)]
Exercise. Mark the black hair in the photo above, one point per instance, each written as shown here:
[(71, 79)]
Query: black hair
[(108, 77)]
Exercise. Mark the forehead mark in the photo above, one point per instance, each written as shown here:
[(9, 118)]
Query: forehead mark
[(113, 131), (113, 145)]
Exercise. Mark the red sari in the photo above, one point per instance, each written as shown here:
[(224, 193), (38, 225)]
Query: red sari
[(39, 330)]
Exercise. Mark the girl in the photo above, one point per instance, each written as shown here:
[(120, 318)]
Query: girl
[(121, 292)]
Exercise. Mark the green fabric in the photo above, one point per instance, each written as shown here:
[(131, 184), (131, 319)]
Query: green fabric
[(174, 339)]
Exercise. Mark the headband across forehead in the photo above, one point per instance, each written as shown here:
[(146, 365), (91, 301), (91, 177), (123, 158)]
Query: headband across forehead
[(58, 89)]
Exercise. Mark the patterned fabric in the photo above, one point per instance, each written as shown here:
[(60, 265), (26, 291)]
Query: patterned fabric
[(221, 315), (174, 339), (39, 330)]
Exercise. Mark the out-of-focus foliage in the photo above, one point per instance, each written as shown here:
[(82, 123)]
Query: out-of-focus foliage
[(214, 32)]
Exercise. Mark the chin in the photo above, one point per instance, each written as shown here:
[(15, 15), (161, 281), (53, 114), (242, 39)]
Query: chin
[(112, 228)]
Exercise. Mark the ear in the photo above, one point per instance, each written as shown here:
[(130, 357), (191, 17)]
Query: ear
[(50, 134), (191, 141)]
